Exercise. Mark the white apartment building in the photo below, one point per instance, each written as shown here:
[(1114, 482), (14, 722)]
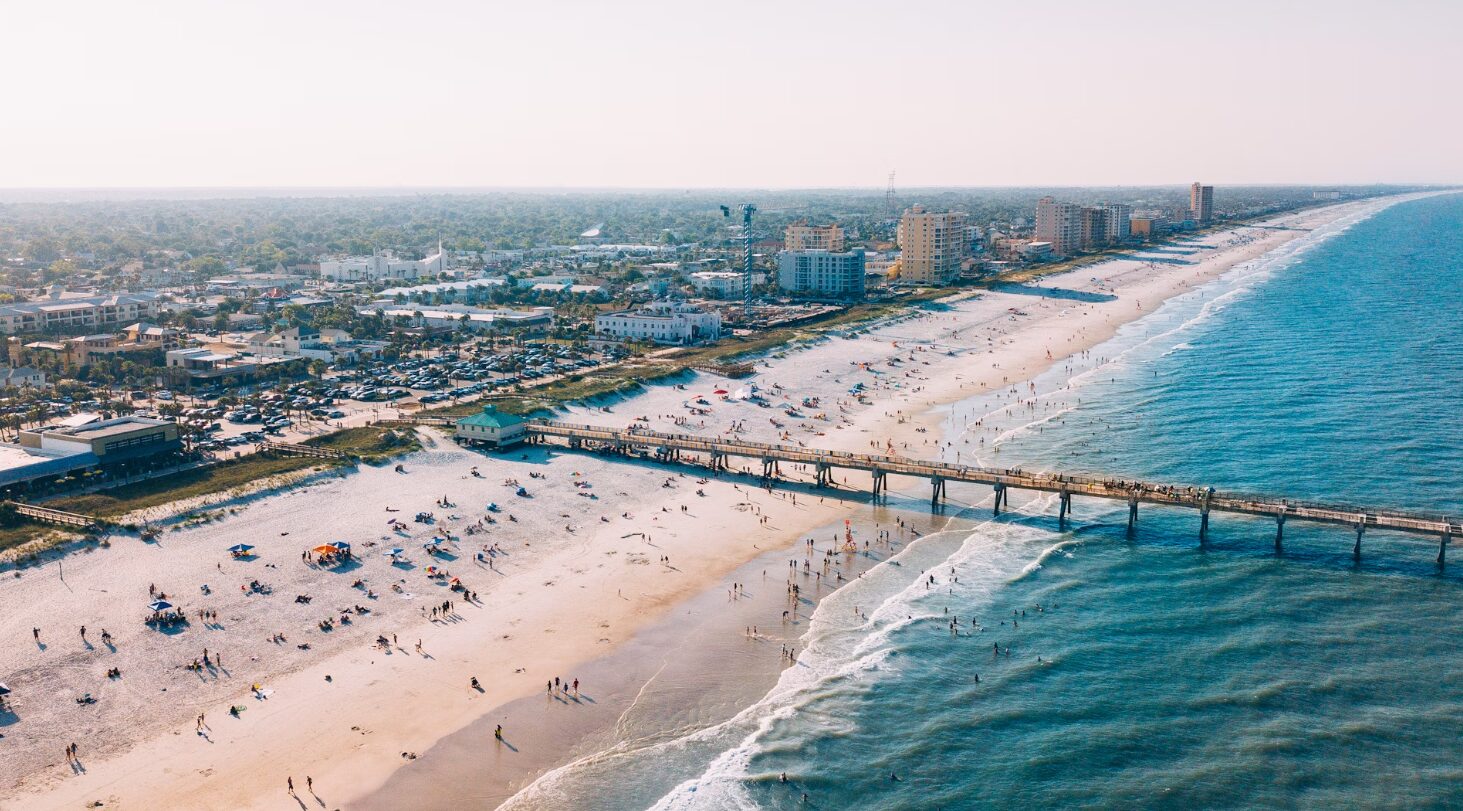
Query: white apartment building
[(822, 273), (381, 267), (82, 314), (1119, 221), (329, 345), (723, 284), (662, 322)]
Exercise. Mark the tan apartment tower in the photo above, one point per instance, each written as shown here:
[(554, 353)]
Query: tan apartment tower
[(1201, 202), (931, 246), (803, 237), (1060, 224)]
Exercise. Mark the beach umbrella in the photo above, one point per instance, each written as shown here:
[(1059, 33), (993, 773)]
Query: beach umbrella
[(721, 391), (326, 549), (241, 548), (4, 691), (392, 552), (159, 605)]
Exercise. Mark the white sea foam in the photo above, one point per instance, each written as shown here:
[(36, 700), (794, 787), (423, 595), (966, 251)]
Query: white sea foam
[(992, 556)]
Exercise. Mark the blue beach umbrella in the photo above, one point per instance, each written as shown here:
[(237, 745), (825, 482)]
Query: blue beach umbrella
[(392, 552), (160, 605), (241, 548)]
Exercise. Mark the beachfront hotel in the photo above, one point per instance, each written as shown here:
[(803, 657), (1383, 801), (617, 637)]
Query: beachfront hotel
[(803, 237), (822, 273), (661, 322), (1201, 203), (932, 246), (1059, 223)]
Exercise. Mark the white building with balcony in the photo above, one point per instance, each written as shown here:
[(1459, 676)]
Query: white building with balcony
[(662, 322)]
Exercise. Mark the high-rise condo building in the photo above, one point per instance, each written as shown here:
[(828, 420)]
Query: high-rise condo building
[(1201, 203), (1119, 226), (822, 273), (1060, 224), (803, 237), (1094, 228), (932, 246)]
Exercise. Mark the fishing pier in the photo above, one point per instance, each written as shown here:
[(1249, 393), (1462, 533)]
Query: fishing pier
[(670, 448)]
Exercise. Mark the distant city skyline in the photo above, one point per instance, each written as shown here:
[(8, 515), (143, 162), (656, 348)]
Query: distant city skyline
[(651, 94)]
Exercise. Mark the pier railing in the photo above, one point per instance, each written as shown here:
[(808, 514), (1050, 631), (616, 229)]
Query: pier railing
[(1065, 485)]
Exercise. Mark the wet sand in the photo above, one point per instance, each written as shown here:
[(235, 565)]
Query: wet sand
[(575, 589)]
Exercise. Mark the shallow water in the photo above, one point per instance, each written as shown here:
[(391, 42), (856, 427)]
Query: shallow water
[(1150, 671)]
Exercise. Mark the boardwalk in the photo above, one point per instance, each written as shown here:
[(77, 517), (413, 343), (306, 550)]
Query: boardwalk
[(291, 449), (669, 447), (49, 516)]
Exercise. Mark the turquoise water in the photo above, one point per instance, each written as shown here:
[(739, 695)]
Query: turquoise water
[(1150, 671)]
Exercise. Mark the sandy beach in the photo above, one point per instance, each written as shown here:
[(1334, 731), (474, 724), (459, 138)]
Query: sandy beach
[(593, 575)]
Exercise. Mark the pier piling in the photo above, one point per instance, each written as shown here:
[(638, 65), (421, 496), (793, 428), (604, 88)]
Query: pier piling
[(718, 453)]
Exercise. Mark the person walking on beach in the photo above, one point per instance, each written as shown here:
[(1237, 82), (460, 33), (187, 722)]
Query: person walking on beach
[(290, 784)]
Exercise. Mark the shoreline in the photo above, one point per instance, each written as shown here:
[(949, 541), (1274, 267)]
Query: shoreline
[(365, 766), (463, 749)]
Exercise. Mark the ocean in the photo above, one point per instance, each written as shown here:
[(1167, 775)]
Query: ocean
[(1089, 668)]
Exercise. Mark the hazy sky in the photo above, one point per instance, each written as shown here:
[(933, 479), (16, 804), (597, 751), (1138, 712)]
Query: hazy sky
[(685, 93)]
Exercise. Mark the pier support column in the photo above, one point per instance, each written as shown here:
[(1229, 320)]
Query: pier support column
[(717, 461), (822, 472), (1203, 526), (880, 486), (937, 489), (1443, 549), (1000, 496), (1279, 530), (1356, 550), (1132, 513), (1064, 506)]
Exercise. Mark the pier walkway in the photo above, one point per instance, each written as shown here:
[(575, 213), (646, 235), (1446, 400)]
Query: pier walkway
[(670, 447)]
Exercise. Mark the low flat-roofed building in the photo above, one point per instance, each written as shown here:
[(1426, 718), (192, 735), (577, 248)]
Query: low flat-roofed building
[(457, 316), (203, 365), (116, 440), (20, 465)]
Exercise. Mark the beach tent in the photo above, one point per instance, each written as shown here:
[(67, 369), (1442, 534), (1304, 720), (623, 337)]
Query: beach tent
[(241, 548), (342, 546), (159, 605)]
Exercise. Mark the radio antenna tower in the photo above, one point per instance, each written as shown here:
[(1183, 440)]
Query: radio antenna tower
[(891, 207)]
